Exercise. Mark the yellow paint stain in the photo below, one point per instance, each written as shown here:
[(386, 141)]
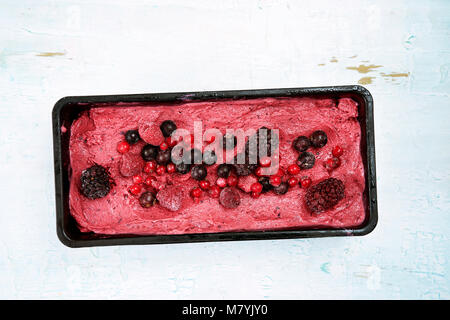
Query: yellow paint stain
[(366, 80), (321, 64), (50, 54), (363, 68), (353, 57), (395, 75), (333, 60)]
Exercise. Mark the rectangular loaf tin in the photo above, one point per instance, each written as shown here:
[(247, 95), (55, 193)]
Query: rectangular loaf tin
[(67, 109)]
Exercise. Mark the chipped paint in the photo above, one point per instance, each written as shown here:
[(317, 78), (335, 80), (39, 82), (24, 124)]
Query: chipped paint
[(50, 54), (395, 75), (333, 60), (364, 68), (366, 80)]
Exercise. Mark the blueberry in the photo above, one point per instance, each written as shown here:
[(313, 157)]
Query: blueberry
[(167, 127), (183, 168), (306, 160), (149, 152), (163, 157), (199, 172), (132, 136), (147, 199), (318, 139), (224, 170), (281, 189), (301, 143), (209, 157)]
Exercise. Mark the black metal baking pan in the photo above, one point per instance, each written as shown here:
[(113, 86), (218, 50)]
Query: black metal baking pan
[(67, 109)]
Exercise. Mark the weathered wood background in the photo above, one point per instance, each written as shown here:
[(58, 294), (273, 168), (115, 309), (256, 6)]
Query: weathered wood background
[(400, 50)]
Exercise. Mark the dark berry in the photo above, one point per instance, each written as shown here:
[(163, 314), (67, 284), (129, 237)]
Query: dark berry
[(183, 168), (199, 172), (163, 157), (229, 198), (193, 156), (281, 189), (232, 181), (132, 136), (223, 170), (324, 195), (229, 141), (149, 152), (209, 157), (167, 127), (306, 160), (301, 143), (265, 182), (318, 139), (95, 182), (245, 169), (147, 199)]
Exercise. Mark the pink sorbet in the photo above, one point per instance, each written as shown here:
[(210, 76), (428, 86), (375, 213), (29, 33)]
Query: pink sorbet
[(97, 132)]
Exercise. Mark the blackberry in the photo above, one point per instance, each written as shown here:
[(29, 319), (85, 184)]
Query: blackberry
[(265, 181), (132, 136), (167, 127), (95, 182), (147, 199), (318, 139), (301, 143), (149, 152), (324, 195), (306, 160), (199, 172), (245, 169)]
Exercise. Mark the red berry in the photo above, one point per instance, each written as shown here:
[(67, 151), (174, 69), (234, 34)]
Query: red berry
[(292, 181), (265, 162), (221, 182), (171, 168), (293, 169), (211, 139), (255, 195), (337, 151), (256, 187), (137, 179), (149, 180), (275, 181), (196, 192), (171, 142), (332, 163), (150, 166), (305, 182), (123, 147), (163, 146), (232, 181), (280, 172), (214, 191), (204, 184), (160, 170), (135, 189), (258, 172)]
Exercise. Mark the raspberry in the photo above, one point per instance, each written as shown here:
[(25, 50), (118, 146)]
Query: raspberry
[(324, 195)]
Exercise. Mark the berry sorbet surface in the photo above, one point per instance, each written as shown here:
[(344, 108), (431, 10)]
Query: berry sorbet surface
[(95, 136)]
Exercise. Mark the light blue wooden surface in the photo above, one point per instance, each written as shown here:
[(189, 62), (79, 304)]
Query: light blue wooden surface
[(50, 49)]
